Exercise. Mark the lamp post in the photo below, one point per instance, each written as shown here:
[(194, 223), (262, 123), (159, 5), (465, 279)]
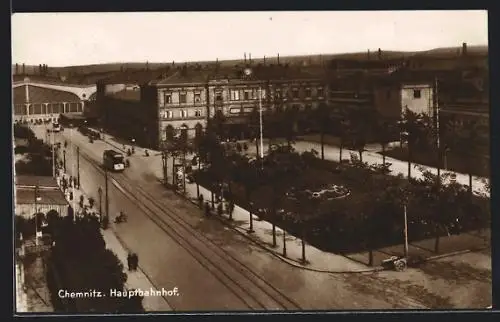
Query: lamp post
[(64, 159), (445, 157), (78, 164), (37, 198), (250, 230), (106, 192), (99, 191), (405, 231), (261, 129), (164, 164), (284, 243)]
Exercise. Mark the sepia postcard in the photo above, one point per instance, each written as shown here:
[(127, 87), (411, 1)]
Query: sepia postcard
[(251, 161)]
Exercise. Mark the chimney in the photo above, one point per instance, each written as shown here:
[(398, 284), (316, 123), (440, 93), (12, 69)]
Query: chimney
[(464, 49), (368, 55), (245, 57), (264, 60), (278, 58), (379, 53), (250, 58), (24, 69)]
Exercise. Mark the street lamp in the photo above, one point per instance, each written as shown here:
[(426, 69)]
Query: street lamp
[(99, 191), (164, 163), (64, 159), (445, 157), (405, 231), (37, 199)]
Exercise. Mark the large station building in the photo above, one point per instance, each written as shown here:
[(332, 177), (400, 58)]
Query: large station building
[(37, 100), (154, 111)]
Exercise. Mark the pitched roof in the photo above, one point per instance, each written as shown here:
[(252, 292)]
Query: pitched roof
[(46, 197), (42, 95), (32, 181), (127, 95)]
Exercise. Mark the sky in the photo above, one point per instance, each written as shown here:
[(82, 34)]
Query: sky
[(67, 39)]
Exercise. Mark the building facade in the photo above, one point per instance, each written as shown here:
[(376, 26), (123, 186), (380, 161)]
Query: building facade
[(185, 102), (34, 101), (35, 194)]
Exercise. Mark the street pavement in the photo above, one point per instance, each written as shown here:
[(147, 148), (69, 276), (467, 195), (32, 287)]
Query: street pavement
[(21, 296), (312, 290), (135, 279)]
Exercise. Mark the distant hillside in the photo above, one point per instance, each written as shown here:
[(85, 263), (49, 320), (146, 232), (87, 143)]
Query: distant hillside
[(91, 73)]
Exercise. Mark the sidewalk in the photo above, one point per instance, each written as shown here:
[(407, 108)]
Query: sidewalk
[(135, 280), (21, 296), (316, 260)]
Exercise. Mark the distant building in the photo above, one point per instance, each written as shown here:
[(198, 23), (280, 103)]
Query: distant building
[(184, 100), (32, 101)]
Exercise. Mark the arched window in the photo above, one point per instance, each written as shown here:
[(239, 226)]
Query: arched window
[(184, 132), (169, 132), (198, 130)]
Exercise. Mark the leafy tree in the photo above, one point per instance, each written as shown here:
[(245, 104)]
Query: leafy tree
[(468, 148), (323, 121), (411, 127), (82, 262), (254, 127), (383, 134)]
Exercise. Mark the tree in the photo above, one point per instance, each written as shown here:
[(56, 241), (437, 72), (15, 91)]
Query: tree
[(411, 129), (254, 127), (288, 124), (323, 121), (344, 128), (361, 127), (217, 124), (468, 148), (383, 134), (82, 262)]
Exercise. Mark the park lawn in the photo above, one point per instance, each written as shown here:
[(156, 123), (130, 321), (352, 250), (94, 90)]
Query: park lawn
[(343, 225), (455, 162)]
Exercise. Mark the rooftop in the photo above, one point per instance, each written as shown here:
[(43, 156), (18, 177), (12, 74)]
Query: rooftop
[(32, 181), (46, 197), (127, 95)]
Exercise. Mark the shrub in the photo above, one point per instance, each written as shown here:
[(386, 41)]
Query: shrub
[(82, 262)]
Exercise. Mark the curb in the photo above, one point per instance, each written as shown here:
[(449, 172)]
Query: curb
[(289, 261), (296, 264)]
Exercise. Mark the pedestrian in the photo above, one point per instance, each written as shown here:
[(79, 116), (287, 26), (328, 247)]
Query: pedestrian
[(135, 261), (70, 181), (207, 209), (129, 261)]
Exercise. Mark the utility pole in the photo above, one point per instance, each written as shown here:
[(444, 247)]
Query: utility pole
[(99, 191), (261, 129), (436, 128), (406, 232), (284, 243), (36, 214), (78, 164), (106, 192), (53, 156)]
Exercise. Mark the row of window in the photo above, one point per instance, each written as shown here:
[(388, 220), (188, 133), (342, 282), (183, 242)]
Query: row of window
[(417, 94), (170, 114), (241, 94)]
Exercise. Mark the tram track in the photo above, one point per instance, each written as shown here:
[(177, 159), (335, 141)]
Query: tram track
[(255, 292)]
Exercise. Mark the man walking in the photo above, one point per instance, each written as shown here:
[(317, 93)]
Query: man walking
[(129, 261)]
